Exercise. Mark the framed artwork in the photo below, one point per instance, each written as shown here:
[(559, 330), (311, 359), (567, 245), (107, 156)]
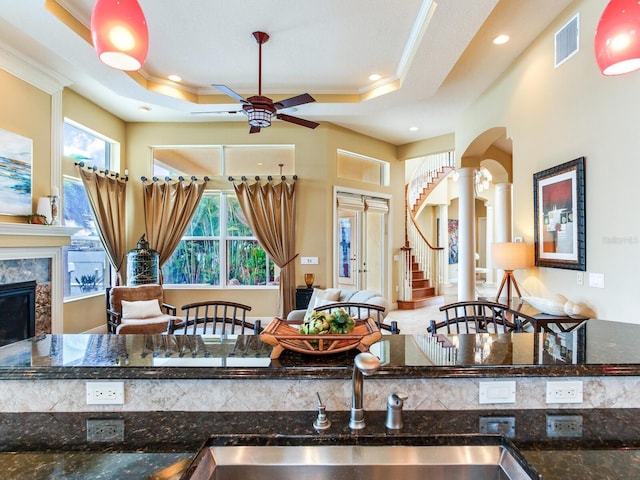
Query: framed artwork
[(559, 216), (453, 242), (16, 153)]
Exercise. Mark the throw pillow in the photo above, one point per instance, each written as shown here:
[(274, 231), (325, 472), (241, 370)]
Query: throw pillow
[(550, 307), (140, 309), (330, 295)]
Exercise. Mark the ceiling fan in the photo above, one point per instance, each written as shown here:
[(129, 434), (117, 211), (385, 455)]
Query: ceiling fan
[(261, 109)]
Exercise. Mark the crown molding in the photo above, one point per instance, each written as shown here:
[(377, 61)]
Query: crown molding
[(26, 69)]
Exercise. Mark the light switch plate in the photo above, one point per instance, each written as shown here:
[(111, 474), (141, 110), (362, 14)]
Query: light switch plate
[(308, 260), (596, 280), (497, 392)]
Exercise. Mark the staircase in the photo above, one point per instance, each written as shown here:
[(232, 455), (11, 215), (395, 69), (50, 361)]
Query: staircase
[(423, 262), (422, 293)]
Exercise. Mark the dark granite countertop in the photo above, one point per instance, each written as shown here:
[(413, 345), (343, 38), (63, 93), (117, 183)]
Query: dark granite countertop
[(595, 347), (44, 446)]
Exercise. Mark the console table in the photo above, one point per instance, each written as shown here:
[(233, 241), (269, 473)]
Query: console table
[(541, 322)]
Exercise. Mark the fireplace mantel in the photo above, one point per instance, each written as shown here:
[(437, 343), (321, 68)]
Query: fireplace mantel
[(36, 230), (22, 240)]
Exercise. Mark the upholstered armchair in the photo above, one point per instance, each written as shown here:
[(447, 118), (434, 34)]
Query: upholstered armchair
[(139, 309)]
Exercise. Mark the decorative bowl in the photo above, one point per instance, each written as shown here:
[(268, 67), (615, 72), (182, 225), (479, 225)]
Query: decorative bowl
[(285, 335)]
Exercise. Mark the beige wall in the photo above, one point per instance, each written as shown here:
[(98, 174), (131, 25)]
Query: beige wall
[(554, 116), (26, 110)]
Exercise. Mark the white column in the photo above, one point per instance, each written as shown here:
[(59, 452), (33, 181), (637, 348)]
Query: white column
[(490, 278), (443, 241), (504, 227), (503, 220), (466, 236)]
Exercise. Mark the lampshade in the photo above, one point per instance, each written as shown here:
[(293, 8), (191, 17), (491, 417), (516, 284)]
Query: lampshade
[(617, 40), (119, 32), (511, 255)]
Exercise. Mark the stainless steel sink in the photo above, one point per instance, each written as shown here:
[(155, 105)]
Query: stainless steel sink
[(355, 462)]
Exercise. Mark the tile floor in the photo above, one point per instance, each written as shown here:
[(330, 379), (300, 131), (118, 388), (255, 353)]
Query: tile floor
[(416, 321)]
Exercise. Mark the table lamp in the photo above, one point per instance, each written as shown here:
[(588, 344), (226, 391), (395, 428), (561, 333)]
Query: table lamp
[(510, 256)]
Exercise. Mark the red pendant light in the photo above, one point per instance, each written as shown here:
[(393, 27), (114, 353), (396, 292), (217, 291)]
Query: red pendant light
[(617, 41), (119, 32)]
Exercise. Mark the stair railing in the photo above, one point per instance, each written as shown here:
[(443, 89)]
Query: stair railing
[(417, 247)]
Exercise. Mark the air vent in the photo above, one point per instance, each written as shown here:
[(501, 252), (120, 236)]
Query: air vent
[(567, 41)]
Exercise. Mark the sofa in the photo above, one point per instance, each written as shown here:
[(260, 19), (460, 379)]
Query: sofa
[(322, 297)]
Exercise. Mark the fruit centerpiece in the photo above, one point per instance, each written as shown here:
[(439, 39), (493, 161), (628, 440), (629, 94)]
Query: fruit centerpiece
[(318, 323), (321, 333)]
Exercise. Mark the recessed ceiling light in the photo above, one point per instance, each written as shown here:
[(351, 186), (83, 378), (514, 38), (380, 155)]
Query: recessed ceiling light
[(175, 78), (144, 109), (413, 129), (260, 163), (500, 39), (374, 77)]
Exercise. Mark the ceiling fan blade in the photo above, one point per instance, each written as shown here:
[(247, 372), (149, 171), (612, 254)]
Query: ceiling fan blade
[(293, 101), (217, 112), (297, 120), (231, 93), (254, 130)]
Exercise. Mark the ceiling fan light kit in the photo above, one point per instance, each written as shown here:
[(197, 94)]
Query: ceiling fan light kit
[(617, 39), (120, 35), (260, 109)]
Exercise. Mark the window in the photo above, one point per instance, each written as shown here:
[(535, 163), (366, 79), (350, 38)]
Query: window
[(353, 166), (219, 248), (87, 268)]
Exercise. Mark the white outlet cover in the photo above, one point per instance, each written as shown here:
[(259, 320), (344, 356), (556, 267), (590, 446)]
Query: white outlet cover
[(105, 393), (565, 391), (497, 392)]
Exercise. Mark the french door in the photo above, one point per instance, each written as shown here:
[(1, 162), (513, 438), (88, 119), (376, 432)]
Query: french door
[(360, 242)]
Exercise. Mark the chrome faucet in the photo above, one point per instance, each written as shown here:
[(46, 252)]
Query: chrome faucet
[(364, 364)]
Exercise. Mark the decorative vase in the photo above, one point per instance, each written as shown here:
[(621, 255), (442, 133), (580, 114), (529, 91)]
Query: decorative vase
[(308, 279)]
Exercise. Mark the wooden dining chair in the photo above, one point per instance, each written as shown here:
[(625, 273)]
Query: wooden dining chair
[(478, 316), (215, 317), (361, 311)]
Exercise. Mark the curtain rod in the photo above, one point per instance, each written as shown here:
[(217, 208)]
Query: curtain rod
[(169, 179), (269, 178), (125, 177)]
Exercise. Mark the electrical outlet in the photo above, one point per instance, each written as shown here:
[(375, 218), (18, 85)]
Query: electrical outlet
[(105, 430), (105, 393), (564, 426), (498, 426), (567, 391)]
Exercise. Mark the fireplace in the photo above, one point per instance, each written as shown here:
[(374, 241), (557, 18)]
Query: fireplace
[(18, 311)]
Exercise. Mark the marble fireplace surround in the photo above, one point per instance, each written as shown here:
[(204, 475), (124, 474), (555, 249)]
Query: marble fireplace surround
[(39, 242)]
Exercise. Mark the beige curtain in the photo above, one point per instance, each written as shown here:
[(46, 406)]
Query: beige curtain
[(107, 197), (168, 209), (270, 212)]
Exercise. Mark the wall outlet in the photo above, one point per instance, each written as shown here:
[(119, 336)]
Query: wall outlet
[(105, 430), (105, 393), (567, 391), (564, 426), (497, 392), (498, 426)]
